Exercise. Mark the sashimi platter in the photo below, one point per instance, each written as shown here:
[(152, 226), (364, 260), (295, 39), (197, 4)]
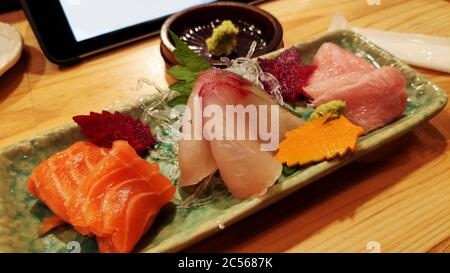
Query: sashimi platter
[(223, 141)]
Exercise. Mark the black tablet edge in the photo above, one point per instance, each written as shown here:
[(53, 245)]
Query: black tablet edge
[(41, 40), (95, 45)]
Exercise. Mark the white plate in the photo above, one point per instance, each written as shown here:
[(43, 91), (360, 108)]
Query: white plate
[(11, 45)]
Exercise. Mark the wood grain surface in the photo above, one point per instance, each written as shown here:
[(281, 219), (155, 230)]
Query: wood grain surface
[(394, 200)]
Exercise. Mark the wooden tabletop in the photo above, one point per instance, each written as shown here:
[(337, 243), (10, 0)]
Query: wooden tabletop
[(395, 200)]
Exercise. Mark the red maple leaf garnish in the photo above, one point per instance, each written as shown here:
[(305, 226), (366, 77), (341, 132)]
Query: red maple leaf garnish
[(103, 129), (290, 72)]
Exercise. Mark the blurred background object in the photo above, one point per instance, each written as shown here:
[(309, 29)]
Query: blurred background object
[(75, 30), (11, 45), (8, 5)]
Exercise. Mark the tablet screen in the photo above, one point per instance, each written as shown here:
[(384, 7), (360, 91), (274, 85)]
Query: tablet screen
[(91, 18)]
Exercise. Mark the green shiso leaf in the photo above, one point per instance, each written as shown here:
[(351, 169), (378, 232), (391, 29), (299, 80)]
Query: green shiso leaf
[(288, 171), (182, 99), (182, 87), (186, 57), (186, 71)]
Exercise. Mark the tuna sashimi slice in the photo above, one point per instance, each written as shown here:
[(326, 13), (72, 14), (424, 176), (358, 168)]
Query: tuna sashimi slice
[(332, 60), (373, 99)]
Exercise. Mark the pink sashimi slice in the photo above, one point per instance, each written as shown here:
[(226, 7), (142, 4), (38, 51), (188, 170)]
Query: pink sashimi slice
[(373, 99), (331, 61), (322, 88)]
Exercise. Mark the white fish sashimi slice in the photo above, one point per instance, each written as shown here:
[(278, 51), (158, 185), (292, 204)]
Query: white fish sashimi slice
[(247, 171), (201, 158), (195, 159)]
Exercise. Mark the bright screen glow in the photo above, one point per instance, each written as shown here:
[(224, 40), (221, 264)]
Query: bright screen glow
[(91, 18)]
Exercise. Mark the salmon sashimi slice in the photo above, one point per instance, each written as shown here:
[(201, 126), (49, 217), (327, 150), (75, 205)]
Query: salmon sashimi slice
[(96, 197), (140, 214), (50, 223), (108, 216), (121, 162), (141, 211), (105, 245), (56, 178), (126, 216), (113, 193)]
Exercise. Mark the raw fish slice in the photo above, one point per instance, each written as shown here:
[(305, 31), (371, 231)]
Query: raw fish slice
[(127, 220), (139, 213), (90, 211), (55, 179), (321, 88), (42, 184), (112, 187), (373, 99), (145, 180), (115, 202), (121, 164), (287, 121), (224, 94), (105, 245), (108, 192), (50, 223), (195, 158), (332, 60), (246, 170), (79, 197)]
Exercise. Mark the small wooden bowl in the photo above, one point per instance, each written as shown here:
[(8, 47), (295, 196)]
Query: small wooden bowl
[(194, 26)]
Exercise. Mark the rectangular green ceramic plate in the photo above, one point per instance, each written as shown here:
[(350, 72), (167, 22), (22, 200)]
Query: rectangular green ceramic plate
[(176, 227)]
